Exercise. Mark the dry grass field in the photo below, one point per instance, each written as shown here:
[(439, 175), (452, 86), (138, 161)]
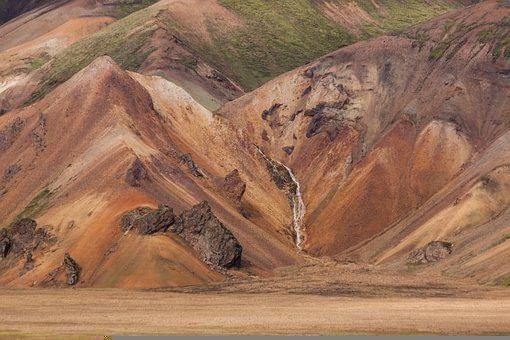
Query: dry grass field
[(47, 313)]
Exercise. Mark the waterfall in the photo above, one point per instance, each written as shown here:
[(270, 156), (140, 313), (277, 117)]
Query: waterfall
[(296, 200), (298, 211)]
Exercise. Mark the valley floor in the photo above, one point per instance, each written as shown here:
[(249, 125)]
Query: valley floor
[(132, 312)]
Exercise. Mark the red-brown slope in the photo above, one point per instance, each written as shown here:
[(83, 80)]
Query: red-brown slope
[(72, 150), (380, 126)]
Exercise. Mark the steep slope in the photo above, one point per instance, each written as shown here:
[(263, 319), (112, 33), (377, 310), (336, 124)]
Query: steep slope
[(46, 28), (373, 131), (10, 9), (78, 184)]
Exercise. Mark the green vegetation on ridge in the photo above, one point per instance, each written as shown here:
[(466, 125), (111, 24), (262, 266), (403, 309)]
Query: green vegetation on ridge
[(123, 41), (274, 37)]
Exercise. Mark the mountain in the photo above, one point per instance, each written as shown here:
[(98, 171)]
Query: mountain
[(399, 141), (388, 152), (215, 50)]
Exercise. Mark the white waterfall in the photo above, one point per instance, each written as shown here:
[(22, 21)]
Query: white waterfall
[(298, 206), (298, 210)]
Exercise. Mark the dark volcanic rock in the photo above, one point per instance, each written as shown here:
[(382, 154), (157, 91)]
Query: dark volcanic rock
[(148, 221), (326, 117), (209, 237), (288, 150), (234, 186), (136, 173), (264, 136), (23, 237), (432, 252), (23, 232), (271, 111), (72, 270), (11, 171), (5, 243), (9, 134), (192, 167)]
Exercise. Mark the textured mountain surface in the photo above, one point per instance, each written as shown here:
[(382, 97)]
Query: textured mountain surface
[(116, 169)]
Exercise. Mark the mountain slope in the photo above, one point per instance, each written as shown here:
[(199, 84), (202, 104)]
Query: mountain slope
[(373, 136), (216, 50), (76, 185)]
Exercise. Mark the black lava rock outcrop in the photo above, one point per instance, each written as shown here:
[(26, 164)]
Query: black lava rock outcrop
[(288, 150), (234, 186), (23, 237), (433, 252), (11, 171), (9, 134), (271, 111), (72, 270), (5, 243), (192, 167), (208, 236), (148, 221), (136, 173)]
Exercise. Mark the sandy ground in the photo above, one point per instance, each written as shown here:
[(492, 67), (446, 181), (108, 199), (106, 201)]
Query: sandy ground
[(46, 312)]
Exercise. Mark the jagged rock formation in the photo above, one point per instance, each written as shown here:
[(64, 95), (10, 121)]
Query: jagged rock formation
[(72, 270), (9, 134), (148, 221), (23, 237), (234, 186), (208, 236), (5, 243), (11, 171), (433, 252), (288, 149), (187, 160)]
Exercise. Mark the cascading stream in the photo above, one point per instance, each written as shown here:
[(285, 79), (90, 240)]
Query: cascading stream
[(296, 200), (298, 210)]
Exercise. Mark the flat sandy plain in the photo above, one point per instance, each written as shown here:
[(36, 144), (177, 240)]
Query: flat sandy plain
[(88, 312)]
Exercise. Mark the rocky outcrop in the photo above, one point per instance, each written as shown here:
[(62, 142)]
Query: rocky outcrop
[(234, 186), (11, 171), (23, 237), (136, 173), (433, 252), (288, 150), (271, 111), (208, 236), (148, 221), (192, 167), (5, 243), (9, 134), (72, 270), (326, 117)]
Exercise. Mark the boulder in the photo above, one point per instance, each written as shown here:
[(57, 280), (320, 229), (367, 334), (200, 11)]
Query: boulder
[(148, 221), (433, 252), (234, 186), (288, 150), (72, 270), (136, 173), (215, 244)]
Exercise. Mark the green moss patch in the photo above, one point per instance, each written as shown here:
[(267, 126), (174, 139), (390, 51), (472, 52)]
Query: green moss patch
[(38, 204)]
